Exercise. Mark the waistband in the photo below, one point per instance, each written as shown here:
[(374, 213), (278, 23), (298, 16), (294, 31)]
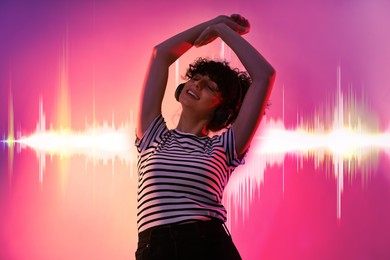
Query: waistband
[(209, 227)]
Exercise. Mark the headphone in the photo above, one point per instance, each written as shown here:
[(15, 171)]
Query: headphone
[(178, 91), (223, 115)]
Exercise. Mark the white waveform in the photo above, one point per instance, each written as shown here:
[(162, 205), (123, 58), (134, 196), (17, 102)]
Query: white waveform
[(102, 143), (346, 143)]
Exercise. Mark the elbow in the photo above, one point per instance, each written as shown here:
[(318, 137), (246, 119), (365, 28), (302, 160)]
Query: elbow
[(272, 75), (270, 72), (158, 51), (164, 54), (271, 78)]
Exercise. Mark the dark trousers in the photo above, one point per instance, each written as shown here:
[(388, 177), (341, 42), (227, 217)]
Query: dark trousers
[(199, 240)]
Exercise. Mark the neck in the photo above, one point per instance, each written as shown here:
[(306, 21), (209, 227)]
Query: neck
[(189, 124)]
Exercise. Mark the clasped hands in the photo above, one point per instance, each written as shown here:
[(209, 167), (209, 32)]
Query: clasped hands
[(235, 22)]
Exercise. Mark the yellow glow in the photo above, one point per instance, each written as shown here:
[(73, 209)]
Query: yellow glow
[(11, 135)]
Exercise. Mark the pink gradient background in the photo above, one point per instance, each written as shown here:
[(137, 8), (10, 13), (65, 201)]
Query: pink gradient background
[(82, 211)]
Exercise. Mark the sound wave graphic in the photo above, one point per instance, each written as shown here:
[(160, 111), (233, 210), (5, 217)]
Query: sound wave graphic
[(341, 135), (344, 136), (98, 143)]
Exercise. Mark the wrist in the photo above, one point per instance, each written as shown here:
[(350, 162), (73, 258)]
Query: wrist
[(220, 19), (220, 27)]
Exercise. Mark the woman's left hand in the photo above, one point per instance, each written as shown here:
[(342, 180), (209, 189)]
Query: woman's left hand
[(207, 36)]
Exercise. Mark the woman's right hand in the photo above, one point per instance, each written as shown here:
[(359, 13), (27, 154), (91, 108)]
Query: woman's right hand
[(234, 22)]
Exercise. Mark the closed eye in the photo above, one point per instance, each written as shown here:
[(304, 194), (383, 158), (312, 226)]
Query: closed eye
[(213, 89)]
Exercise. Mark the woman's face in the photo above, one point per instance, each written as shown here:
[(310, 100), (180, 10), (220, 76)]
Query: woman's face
[(201, 94)]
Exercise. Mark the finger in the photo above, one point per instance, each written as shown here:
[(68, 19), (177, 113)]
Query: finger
[(236, 19), (202, 42), (203, 39), (238, 28), (197, 42)]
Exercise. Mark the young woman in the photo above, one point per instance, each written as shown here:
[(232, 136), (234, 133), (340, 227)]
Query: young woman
[(183, 171)]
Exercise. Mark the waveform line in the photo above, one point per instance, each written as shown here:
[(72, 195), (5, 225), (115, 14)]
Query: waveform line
[(339, 134)]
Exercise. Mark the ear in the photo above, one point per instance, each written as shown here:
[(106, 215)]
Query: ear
[(178, 91)]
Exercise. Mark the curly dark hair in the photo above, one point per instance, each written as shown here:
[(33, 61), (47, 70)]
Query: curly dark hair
[(232, 83)]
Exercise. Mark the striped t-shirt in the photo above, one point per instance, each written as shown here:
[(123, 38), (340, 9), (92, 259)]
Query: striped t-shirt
[(181, 177)]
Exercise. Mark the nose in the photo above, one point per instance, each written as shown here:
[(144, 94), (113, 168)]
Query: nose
[(199, 84)]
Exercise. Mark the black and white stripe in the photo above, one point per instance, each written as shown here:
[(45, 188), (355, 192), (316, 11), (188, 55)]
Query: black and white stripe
[(181, 177)]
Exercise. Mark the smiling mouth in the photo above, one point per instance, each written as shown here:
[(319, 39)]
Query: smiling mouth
[(190, 92)]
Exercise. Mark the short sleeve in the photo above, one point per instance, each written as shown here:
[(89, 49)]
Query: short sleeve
[(229, 145), (153, 135)]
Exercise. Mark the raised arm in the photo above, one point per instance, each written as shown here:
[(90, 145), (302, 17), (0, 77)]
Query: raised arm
[(261, 73), (163, 55)]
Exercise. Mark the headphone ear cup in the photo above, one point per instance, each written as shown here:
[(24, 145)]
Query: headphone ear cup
[(178, 91), (222, 116)]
